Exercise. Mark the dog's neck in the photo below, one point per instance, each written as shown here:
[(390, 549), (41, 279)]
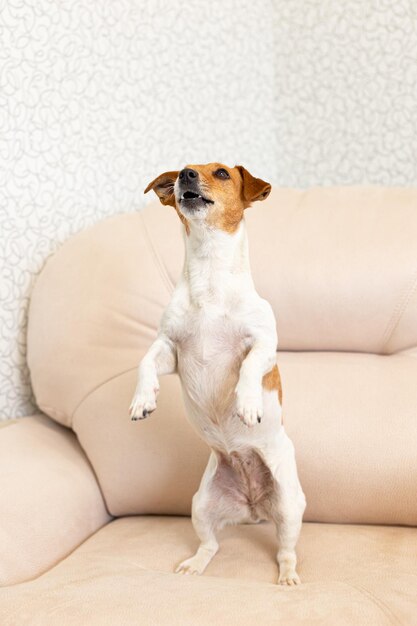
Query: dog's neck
[(216, 265)]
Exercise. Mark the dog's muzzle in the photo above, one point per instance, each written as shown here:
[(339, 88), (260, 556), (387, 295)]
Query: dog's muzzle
[(191, 196)]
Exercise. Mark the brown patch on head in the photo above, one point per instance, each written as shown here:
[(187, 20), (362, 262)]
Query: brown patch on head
[(272, 380), (232, 189), (163, 186)]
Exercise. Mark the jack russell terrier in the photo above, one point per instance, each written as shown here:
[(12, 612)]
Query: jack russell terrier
[(220, 336)]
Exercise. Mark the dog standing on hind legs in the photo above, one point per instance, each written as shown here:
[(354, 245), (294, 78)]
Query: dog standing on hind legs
[(220, 336)]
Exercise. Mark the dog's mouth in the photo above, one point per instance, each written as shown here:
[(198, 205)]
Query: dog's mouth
[(191, 197)]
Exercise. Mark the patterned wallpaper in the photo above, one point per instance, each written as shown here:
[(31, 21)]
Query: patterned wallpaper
[(346, 92), (98, 97)]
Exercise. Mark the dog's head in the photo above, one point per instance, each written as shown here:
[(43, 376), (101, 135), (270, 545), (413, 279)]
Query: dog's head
[(213, 194)]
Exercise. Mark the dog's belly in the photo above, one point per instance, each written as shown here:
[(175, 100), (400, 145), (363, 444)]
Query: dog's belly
[(243, 478)]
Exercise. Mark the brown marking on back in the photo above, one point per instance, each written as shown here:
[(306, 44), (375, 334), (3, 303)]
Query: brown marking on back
[(272, 380)]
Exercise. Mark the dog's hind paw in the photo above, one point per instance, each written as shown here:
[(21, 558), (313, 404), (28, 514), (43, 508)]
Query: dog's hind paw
[(194, 565), (289, 578)]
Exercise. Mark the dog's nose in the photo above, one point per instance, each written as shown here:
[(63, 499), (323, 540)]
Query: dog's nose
[(187, 175)]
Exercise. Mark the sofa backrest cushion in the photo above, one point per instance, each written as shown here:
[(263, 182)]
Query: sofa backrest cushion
[(339, 267)]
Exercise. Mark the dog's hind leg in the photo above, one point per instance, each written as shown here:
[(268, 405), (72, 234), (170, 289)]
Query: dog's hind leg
[(287, 513), (214, 506), (208, 546), (203, 524), (288, 519)]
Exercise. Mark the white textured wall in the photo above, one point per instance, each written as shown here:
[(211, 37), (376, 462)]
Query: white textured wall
[(346, 92), (96, 99)]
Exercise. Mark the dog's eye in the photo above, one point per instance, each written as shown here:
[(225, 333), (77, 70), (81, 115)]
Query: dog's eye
[(222, 173)]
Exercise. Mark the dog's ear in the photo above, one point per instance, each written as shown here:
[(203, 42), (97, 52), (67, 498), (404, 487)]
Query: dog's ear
[(252, 188), (163, 186)]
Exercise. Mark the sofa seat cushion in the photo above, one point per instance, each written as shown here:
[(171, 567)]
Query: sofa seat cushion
[(124, 575), (50, 501)]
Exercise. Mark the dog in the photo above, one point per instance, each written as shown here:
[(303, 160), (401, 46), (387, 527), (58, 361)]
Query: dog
[(220, 336)]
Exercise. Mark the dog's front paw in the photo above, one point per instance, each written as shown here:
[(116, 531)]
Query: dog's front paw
[(143, 403), (249, 407)]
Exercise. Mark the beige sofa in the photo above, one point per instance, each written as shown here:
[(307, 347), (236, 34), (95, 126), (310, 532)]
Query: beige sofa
[(94, 508)]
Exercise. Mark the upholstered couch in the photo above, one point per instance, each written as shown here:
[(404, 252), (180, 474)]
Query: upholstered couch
[(94, 508)]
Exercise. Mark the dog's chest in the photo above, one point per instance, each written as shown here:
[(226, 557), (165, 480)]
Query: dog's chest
[(209, 338), (211, 345)]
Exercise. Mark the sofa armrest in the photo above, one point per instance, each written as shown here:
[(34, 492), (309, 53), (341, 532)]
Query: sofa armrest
[(49, 497)]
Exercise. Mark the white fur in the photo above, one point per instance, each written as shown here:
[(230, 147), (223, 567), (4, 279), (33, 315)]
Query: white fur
[(214, 319)]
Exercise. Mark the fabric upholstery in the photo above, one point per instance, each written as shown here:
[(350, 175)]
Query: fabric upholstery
[(49, 498), (339, 267), (352, 417), (352, 575)]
